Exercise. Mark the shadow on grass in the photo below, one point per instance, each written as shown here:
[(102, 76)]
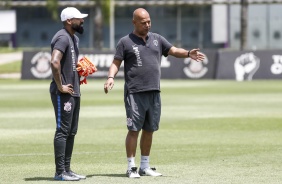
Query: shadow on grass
[(107, 175), (88, 176), (40, 179)]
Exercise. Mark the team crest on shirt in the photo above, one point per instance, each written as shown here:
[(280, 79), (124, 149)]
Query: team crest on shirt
[(156, 42), (67, 106)]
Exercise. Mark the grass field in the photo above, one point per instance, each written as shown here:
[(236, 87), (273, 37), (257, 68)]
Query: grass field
[(211, 132), (11, 67)]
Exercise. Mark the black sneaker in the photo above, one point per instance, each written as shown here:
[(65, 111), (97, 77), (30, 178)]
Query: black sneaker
[(65, 177), (76, 175)]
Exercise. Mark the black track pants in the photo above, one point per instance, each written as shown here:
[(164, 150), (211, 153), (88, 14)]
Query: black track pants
[(67, 114)]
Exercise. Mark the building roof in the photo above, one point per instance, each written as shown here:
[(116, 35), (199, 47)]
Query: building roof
[(22, 3)]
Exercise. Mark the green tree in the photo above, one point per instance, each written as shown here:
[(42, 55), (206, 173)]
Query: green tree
[(53, 6), (102, 14), (6, 4)]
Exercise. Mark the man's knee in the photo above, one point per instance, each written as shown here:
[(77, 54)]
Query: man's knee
[(133, 133), (146, 132)]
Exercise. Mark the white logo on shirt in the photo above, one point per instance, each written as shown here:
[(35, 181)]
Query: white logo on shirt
[(73, 59), (155, 42), (137, 54)]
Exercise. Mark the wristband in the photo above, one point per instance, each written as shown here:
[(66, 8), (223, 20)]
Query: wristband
[(111, 77), (189, 53)]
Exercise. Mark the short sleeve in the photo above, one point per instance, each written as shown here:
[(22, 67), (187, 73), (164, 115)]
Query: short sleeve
[(61, 43), (165, 46), (119, 55)]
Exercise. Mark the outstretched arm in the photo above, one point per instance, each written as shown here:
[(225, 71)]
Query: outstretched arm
[(114, 68), (182, 53)]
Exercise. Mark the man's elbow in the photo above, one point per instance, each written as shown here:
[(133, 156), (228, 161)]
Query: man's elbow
[(55, 65)]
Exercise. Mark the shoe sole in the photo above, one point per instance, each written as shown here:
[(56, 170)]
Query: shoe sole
[(62, 179), (149, 175), (65, 180), (132, 177)]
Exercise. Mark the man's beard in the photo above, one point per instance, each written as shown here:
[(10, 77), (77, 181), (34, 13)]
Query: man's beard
[(78, 28)]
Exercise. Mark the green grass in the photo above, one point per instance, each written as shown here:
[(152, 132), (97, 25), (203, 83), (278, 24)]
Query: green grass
[(14, 67), (8, 49), (210, 132)]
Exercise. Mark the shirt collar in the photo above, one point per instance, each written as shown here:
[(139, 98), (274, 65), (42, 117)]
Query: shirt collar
[(147, 37)]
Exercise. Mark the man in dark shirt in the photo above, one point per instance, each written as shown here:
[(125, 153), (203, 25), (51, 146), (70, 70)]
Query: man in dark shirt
[(65, 90), (141, 52)]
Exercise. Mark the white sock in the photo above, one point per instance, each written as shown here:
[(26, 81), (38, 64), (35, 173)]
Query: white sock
[(144, 163), (130, 162)]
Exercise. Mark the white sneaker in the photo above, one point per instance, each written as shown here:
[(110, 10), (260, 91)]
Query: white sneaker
[(149, 172), (65, 177), (70, 172), (132, 173)]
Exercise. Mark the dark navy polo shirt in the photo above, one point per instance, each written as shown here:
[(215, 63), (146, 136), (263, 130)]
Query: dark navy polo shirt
[(142, 61)]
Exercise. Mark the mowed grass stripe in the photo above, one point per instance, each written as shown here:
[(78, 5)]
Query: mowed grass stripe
[(210, 132)]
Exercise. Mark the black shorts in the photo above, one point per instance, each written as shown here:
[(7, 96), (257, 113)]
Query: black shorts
[(143, 110)]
